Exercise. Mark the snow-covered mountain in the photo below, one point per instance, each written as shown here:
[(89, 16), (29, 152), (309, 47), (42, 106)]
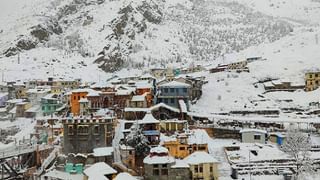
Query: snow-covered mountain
[(86, 39), (66, 38)]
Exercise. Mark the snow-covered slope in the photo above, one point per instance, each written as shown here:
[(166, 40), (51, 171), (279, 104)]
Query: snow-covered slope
[(125, 34), (286, 59)]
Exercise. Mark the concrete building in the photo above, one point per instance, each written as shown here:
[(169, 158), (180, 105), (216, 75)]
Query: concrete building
[(3, 99), (160, 165), (49, 104), (171, 92), (202, 166), (84, 134), (312, 80), (253, 136)]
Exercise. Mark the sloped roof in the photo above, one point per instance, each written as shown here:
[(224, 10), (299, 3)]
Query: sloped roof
[(98, 170), (148, 119), (200, 157), (174, 84)]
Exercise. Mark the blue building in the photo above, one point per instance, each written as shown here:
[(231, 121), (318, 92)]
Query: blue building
[(171, 92)]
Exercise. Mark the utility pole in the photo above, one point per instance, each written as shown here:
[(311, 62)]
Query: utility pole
[(249, 167), (18, 58)]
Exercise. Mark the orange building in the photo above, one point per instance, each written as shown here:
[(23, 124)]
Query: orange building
[(145, 88), (75, 98), (185, 144)]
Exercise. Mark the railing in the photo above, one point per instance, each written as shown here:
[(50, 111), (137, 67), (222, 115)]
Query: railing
[(21, 149)]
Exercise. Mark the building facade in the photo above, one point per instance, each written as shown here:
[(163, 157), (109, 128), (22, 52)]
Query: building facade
[(312, 81), (83, 135), (170, 93)]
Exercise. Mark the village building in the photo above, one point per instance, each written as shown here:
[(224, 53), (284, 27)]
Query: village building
[(203, 166), (124, 176), (3, 99), (277, 137), (128, 156), (150, 128), (3, 87), (159, 111), (312, 80), (253, 136), (278, 85), (21, 108), (99, 171), (170, 93), (172, 125), (103, 154), (160, 165), (49, 104), (158, 72), (185, 144), (83, 134)]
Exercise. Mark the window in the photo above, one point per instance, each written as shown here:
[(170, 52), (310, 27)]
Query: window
[(70, 130), (164, 165), (316, 75), (171, 90), (43, 108), (74, 97), (172, 100), (83, 129), (96, 129), (165, 90), (200, 169), (164, 171), (184, 90), (196, 168), (211, 169), (182, 148), (257, 137), (130, 152), (155, 166), (165, 101), (156, 172), (78, 97), (310, 76)]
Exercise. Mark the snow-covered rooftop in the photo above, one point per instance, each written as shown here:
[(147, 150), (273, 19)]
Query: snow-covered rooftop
[(200, 157), (148, 119), (180, 163), (102, 151), (174, 84), (99, 169), (253, 130), (158, 155), (124, 176), (138, 98)]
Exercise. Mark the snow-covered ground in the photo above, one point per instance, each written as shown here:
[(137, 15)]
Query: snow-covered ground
[(26, 127)]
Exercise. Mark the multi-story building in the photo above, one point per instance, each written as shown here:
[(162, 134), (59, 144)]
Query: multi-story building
[(202, 166), (49, 104), (160, 165), (312, 80), (171, 92), (84, 134), (150, 128), (187, 143)]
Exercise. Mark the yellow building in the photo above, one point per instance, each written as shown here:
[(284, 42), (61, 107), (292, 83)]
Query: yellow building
[(172, 125), (312, 81), (203, 166), (186, 144)]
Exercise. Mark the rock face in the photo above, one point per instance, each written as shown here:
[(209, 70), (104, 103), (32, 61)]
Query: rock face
[(131, 20)]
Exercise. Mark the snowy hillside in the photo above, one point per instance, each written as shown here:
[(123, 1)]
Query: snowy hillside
[(286, 59), (125, 34)]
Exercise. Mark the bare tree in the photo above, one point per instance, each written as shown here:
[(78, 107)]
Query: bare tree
[(298, 146)]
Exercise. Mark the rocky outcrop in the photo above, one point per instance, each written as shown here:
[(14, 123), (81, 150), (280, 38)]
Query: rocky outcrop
[(131, 21)]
